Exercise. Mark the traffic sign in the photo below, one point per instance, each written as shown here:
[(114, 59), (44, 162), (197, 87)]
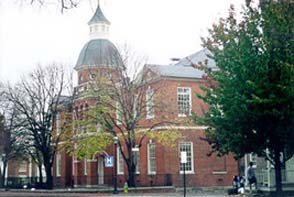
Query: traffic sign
[(109, 161)]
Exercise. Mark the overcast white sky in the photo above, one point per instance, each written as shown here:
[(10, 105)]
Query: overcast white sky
[(159, 29)]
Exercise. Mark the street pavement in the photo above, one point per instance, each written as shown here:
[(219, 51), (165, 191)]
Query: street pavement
[(38, 194)]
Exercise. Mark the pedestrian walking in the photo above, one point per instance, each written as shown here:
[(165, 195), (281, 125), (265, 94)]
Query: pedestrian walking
[(251, 176)]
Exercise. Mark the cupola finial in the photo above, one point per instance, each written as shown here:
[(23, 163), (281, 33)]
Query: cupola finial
[(99, 25)]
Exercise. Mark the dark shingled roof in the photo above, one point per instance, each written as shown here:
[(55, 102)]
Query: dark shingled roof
[(98, 17), (99, 52)]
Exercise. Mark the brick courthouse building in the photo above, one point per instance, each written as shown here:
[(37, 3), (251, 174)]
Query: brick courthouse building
[(157, 165)]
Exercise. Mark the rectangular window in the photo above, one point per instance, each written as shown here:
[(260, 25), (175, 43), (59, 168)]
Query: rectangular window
[(149, 103), (22, 166), (73, 165), (184, 101), (136, 155), (58, 123), (188, 148), (120, 162), (58, 164), (135, 106), (253, 159), (118, 113), (151, 158), (85, 167)]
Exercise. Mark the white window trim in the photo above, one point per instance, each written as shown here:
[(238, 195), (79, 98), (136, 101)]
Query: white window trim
[(138, 162), (119, 156), (58, 163), (118, 113), (85, 167), (251, 160), (58, 123), (192, 159), (23, 165), (219, 172), (73, 165), (190, 101), (135, 106), (148, 159), (149, 103)]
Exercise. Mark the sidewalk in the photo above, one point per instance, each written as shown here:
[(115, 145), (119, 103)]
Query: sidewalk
[(168, 194), (93, 192)]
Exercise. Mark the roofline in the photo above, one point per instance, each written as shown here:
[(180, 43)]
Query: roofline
[(183, 78), (96, 66)]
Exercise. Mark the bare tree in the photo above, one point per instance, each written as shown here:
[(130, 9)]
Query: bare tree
[(124, 101), (63, 4), (35, 99), (9, 147), (3, 165)]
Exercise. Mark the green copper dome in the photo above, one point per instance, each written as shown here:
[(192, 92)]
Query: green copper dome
[(99, 52)]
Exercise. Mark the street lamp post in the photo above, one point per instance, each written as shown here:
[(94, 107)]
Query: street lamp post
[(184, 161), (115, 141)]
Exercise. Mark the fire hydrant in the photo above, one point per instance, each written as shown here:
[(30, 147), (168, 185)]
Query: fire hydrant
[(126, 188)]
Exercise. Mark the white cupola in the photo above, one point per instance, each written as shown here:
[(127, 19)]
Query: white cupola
[(99, 25)]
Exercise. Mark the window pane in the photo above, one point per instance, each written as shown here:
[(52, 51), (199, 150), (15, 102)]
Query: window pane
[(118, 113), (58, 164), (151, 159), (22, 166), (85, 166), (137, 161), (58, 123), (149, 104), (135, 106), (120, 160), (253, 159), (187, 147), (184, 101)]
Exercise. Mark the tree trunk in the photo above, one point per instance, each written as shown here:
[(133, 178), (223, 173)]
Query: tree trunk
[(131, 167), (4, 172), (40, 174), (132, 175), (48, 170), (278, 174), (49, 177)]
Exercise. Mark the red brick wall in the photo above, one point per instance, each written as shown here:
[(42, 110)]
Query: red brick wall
[(14, 165), (166, 104), (167, 162), (208, 170)]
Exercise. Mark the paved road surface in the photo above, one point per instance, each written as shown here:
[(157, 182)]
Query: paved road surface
[(36, 194)]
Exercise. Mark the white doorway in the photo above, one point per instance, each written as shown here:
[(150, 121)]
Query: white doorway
[(100, 171)]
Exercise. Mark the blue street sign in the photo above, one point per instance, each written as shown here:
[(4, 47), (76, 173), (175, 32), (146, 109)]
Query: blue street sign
[(109, 161)]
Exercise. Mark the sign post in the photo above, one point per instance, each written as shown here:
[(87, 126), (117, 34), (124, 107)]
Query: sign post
[(184, 161)]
